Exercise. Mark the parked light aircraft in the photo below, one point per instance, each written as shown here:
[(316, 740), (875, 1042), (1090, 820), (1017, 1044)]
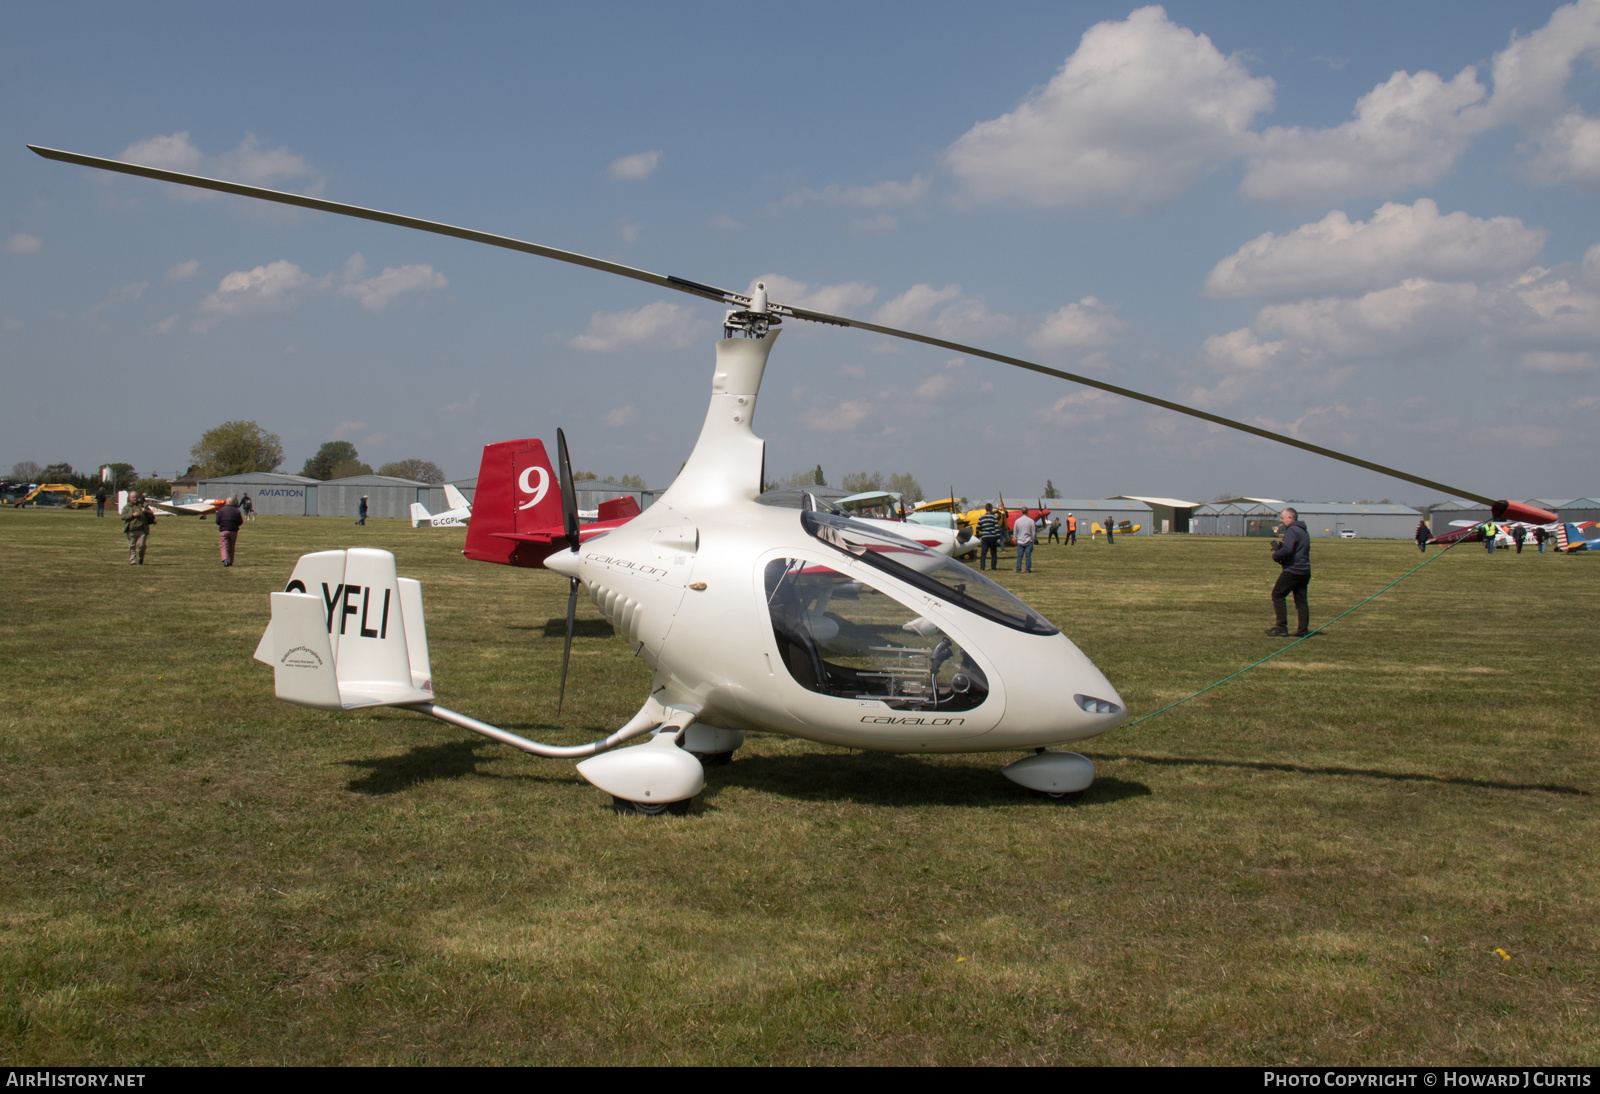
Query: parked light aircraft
[(456, 516), (749, 615)]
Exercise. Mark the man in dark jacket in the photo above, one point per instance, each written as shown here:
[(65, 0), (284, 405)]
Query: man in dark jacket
[(1294, 555), (229, 521)]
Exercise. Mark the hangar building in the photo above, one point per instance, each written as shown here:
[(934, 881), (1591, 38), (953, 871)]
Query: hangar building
[(1570, 509), (295, 495), (1323, 519)]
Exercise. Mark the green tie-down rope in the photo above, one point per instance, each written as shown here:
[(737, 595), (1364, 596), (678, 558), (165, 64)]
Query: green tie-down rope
[(1297, 641)]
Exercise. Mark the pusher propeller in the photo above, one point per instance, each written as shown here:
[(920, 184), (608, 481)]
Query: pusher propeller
[(753, 314), (569, 521)]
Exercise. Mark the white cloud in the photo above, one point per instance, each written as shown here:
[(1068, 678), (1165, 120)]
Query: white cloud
[(836, 416), (725, 223), (658, 326), (1545, 310), (376, 292), (1544, 361), (23, 244), (183, 271), (1531, 73), (265, 290), (1409, 131), (250, 163), (1083, 325), (1334, 255), (1142, 109), (883, 222), (913, 307), (620, 416), (637, 166), (1242, 350), (166, 326), (1565, 152), (345, 430), (629, 231), (173, 152), (842, 299), (1081, 408), (1417, 315), (882, 195), (122, 294)]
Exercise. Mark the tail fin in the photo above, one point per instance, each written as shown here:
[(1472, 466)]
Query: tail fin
[(623, 508), (348, 632), (456, 499), (419, 514), (517, 492)]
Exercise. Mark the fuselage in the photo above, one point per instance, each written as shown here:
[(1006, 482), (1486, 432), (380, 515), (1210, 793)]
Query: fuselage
[(763, 618)]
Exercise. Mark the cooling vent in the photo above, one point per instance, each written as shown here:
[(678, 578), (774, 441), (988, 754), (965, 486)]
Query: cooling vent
[(620, 611), (1096, 706)]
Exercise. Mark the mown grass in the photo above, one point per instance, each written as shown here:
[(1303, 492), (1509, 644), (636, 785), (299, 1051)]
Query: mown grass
[(1314, 863)]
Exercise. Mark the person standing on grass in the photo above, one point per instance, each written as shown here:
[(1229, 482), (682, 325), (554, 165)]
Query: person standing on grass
[(1423, 536), (229, 519), (1539, 536), (1055, 530), (137, 519), (1488, 538), (1294, 555), (100, 502), (1111, 530), (247, 507), (363, 519), (989, 537), (1025, 531), (1518, 534), (1072, 530)]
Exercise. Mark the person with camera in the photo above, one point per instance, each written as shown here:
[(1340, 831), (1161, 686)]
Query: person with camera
[(1293, 553), (137, 520)]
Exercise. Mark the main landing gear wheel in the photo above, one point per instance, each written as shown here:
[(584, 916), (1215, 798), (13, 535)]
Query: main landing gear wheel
[(1064, 796), (651, 809)]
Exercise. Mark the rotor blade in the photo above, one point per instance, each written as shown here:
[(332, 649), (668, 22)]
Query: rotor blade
[(1128, 393), (569, 493), (725, 296), (437, 228), (566, 651)]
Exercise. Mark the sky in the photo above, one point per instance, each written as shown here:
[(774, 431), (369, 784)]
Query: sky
[(1372, 226)]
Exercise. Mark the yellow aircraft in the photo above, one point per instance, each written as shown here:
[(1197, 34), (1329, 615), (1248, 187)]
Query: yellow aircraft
[(1123, 528)]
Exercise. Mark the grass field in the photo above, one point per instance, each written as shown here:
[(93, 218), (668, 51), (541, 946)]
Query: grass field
[(1380, 847)]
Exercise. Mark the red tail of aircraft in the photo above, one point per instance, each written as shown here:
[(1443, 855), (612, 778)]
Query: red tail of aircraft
[(516, 509)]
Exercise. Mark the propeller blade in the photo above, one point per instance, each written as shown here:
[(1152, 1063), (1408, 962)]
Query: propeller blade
[(569, 493), (727, 297), (566, 651)]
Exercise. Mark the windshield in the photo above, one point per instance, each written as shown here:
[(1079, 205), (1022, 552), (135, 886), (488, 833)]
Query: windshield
[(927, 570)]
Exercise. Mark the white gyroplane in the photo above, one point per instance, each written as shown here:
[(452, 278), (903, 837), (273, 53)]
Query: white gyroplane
[(750, 616)]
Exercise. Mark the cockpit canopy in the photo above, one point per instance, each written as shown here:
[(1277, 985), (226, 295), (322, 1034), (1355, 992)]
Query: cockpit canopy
[(952, 582)]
